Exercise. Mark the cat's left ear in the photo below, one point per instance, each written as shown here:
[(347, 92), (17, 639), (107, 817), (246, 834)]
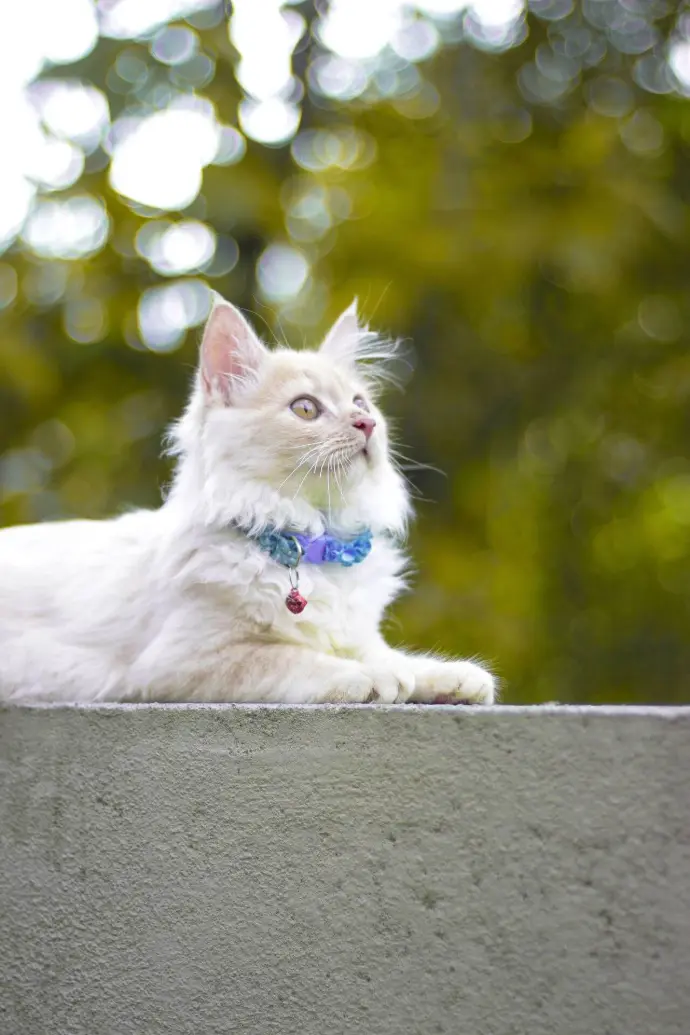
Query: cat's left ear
[(342, 342), (230, 351)]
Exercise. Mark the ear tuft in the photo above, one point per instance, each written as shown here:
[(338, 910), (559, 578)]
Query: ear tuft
[(231, 352), (343, 340), (378, 360)]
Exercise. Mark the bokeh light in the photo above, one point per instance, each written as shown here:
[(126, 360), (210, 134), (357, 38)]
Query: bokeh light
[(265, 35), (85, 320), (127, 19), (67, 229), (166, 313), (282, 272), (149, 165), (174, 248), (72, 110)]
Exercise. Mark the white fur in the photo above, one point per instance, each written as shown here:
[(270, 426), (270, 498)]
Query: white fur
[(177, 604)]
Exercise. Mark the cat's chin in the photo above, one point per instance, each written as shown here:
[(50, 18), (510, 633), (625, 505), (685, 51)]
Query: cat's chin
[(362, 464), (367, 456)]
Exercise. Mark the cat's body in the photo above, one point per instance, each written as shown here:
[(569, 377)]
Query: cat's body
[(181, 604)]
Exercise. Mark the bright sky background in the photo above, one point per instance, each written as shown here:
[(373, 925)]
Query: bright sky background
[(157, 159), (157, 154)]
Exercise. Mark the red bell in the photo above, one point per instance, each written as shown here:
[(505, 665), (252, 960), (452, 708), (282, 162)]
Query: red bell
[(295, 602)]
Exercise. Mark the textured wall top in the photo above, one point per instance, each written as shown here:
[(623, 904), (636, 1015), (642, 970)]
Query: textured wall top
[(317, 871)]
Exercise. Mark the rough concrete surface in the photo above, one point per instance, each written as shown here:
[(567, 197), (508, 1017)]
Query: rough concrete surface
[(407, 871)]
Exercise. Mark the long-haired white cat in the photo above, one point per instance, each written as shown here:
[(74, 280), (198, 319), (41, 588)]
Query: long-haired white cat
[(265, 574)]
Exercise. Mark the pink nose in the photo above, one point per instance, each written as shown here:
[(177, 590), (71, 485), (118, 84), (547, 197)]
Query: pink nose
[(365, 424)]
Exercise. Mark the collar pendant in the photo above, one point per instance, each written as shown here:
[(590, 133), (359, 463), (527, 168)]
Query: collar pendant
[(294, 601)]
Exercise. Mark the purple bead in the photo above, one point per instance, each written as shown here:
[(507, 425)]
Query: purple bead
[(314, 552)]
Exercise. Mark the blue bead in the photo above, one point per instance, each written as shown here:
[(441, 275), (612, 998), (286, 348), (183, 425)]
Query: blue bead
[(279, 547), (331, 551)]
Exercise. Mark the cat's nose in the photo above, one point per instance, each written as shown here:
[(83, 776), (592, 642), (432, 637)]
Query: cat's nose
[(365, 424)]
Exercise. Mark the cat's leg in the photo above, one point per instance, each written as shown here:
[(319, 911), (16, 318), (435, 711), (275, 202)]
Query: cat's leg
[(271, 673), (424, 678), (296, 675)]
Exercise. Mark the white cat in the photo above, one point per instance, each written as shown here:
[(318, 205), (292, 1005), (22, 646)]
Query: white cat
[(183, 603)]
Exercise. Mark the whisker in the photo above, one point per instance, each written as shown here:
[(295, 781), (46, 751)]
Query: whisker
[(300, 463), (302, 460), (305, 478), (413, 465), (337, 480), (412, 489)]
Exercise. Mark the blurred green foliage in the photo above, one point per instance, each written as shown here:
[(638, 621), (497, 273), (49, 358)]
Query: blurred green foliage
[(535, 249)]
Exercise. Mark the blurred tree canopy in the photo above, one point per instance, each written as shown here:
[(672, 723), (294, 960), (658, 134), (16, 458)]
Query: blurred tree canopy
[(506, 186)]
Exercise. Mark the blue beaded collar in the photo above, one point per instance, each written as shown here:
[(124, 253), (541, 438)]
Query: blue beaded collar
[(292, 548)]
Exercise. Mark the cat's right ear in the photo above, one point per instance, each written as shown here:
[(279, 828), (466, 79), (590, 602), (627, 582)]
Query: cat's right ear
[(342, 341), (230, 352)]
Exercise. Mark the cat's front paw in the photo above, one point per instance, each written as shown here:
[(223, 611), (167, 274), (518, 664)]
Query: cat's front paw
[(348, 682), (393, 679), (354, 682), (453, 682)]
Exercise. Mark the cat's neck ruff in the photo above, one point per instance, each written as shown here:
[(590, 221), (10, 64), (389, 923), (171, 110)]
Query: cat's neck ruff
[(200, 498)]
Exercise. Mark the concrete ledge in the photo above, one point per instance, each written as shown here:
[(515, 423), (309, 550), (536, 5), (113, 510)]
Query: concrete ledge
[(317, 871)]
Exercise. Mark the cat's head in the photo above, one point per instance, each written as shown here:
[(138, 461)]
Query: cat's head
[(278, 436)]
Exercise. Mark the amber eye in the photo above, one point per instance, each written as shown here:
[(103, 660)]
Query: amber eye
[(361, 403), (305, 408)]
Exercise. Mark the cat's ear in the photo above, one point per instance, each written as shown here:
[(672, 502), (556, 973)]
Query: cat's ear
[(230, 351), (342, 342), (377, 359)]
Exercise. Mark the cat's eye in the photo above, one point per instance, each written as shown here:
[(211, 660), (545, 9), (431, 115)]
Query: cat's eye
[(305, 408), (361, 403)]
